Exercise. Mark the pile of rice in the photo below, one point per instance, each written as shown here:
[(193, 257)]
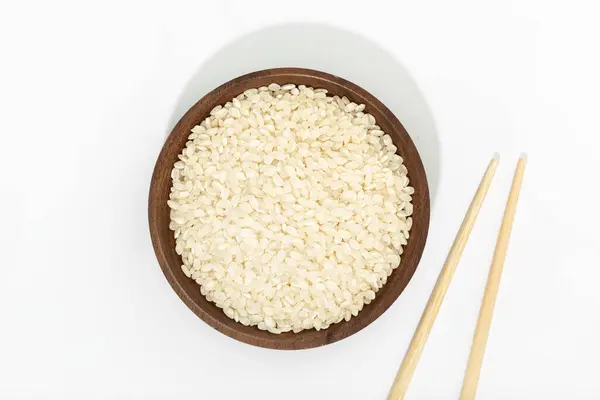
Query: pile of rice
[(290, 208)]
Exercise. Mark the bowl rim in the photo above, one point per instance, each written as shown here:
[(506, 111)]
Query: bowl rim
[(252, 335)]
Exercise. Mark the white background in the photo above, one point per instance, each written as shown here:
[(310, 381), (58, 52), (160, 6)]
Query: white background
[(89, 91)]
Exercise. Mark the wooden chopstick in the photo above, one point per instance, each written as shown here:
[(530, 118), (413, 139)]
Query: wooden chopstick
[(415, 349), (489, 299)]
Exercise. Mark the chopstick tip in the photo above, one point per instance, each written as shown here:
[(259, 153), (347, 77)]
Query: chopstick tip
[(523, 156), (496, 156)]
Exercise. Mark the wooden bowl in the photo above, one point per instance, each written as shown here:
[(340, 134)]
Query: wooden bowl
[(164, 242)]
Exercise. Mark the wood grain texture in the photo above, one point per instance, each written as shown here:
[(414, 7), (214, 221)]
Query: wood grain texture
[(164, 242), (484, 320), (413, 354)]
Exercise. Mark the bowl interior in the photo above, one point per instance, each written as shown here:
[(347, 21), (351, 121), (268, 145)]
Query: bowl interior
[(164, 242)]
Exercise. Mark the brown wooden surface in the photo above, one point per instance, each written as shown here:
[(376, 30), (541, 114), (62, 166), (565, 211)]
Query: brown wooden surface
[(164, 242)]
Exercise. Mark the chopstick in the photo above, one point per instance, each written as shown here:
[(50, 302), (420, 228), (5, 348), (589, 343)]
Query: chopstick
[(415, 349), (489, 299)]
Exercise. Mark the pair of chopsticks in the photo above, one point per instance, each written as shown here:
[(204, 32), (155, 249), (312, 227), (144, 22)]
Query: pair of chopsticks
[(484, 321)]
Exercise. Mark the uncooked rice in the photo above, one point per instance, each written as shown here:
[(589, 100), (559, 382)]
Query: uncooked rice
[(290, 208)]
